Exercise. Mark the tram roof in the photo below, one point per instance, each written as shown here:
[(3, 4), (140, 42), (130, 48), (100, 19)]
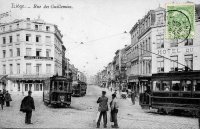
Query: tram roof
[(176, 75), (60, 78)]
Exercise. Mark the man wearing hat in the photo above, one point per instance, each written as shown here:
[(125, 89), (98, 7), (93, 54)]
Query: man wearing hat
[(103, 108), (27, 106)]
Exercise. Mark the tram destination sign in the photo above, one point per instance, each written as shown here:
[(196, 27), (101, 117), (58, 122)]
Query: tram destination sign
[(38, 57)]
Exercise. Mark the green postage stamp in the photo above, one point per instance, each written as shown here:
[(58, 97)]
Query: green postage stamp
[(180, 21)]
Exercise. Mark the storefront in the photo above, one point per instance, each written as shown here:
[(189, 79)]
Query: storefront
[(21, 85), (133, 83)]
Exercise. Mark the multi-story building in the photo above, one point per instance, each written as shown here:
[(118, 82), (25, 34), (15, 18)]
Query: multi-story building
[(73, 72), (143, 38), (177, 54), (119, 65), (64, 65), (31, 50), (150, 52)]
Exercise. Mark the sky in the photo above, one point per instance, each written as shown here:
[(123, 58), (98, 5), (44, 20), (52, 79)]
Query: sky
[(98, 24)]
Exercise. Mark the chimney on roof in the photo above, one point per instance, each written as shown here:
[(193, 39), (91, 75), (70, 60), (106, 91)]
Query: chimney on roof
[(28, 19)]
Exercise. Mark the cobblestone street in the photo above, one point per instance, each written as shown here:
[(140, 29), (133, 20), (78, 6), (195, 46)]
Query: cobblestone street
[(82, 114)]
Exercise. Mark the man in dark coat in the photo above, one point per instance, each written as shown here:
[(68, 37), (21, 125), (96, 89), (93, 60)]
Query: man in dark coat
[(114, 110), (1, 99), (27, 106), (7, 99), (103, 108)]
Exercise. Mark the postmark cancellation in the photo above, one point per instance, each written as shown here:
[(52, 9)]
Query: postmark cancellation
[(180, 21)]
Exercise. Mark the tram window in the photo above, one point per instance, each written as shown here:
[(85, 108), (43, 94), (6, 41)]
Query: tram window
[(196, 85), (55, 85), (186, 85), (60, 85), (156, 86), (51, 86), (70, 90), (175, 85), (65, 86), (166, 85)]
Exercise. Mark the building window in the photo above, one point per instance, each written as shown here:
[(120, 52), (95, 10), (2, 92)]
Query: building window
[(26, 87), (48, 39), (10, 27), (48, 68), (38, 52), (160, 41), (18, 51), (40, 87), (4, 69), (18, 85), (48, 52), (11, 53), (174, 63), (18, 37), (18, 68), (38, 69), (36, 87), (28, 25), (38, 37), (28, 37), (11, 69), (17, 25), (4, 40), (174, 43), (160, 64), (10, 39), (28, 68), (47, 28), (36, 27), (40, 27), (28, 52), (3, 28), (189, 61), (188, 42), (4, 53)]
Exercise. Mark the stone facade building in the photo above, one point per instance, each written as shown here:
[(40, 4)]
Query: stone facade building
[(31, 50)]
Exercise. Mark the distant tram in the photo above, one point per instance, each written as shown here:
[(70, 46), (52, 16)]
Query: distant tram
[(173, 91), (57, 91), (79, 88)]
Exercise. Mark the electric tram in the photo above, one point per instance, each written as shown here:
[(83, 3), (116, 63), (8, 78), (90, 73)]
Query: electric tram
[(173, 91), (57, 91), (79, 88)]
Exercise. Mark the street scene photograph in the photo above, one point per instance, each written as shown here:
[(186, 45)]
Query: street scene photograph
[(100, 64)]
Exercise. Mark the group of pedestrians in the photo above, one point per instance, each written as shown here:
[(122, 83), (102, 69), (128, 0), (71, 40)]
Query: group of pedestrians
[(103, 108), (5, 97)]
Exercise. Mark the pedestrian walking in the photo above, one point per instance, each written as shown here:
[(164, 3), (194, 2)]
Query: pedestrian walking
[(133, 97), (27, 106), (114, 110), (7, 99), (1, 99), (103, 108)]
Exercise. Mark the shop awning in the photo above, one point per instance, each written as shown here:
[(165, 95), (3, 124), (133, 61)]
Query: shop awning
[(3, 78)]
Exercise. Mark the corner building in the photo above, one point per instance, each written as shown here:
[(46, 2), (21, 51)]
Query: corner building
[(31, 51)]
